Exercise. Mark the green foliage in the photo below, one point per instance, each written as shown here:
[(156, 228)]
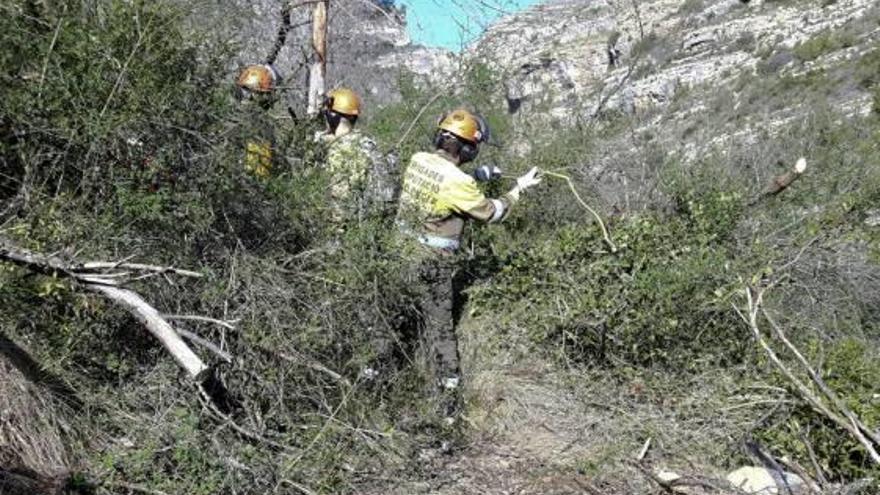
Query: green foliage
[(660, 301), (849, 368), (132, 146), (420, 108), (93, 78), (868, 69), (824, 43)]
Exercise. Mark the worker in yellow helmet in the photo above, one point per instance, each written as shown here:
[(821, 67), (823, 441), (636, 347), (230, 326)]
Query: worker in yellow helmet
[(257, 93), (362, 181), (436, 201)]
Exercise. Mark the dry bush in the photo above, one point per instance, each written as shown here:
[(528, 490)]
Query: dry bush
[(34, 434)]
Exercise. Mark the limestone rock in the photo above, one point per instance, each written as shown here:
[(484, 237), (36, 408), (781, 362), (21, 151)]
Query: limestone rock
[(565, 58), (369, 45), (762, 481)]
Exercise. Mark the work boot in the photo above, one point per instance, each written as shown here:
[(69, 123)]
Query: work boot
[(449, 400)]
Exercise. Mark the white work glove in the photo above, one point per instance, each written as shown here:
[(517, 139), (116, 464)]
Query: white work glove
[(529, 179)]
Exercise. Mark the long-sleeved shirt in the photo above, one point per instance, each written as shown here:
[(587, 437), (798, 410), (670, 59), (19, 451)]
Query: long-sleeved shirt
[(437, 198), (256, 133), (362, 181)]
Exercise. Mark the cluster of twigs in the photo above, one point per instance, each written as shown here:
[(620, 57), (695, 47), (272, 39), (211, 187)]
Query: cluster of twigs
[(110, 279), (822, 398)]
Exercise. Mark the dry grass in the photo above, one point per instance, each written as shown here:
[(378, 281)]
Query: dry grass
[(32, 429), (538, 427)]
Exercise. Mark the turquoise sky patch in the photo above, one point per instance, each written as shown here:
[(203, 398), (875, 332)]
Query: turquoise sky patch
[(453, 24)]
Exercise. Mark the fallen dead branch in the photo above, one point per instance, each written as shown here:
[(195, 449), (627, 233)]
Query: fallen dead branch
[(301, 359), (109, 284), (214, 348), (845, 418), (820, 383), (228, 324), (105, 265)]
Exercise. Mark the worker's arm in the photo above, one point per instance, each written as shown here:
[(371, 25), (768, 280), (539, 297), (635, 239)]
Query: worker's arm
[(466, 199)]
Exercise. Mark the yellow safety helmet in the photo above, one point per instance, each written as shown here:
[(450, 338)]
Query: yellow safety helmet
[(344, 101), (259, 78), (465, 125)]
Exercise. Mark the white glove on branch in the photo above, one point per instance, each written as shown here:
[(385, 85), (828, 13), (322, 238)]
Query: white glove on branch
[(529, 179)]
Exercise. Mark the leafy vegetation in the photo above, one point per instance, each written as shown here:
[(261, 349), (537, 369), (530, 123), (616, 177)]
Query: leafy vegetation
[(822, 44), (119, 137)]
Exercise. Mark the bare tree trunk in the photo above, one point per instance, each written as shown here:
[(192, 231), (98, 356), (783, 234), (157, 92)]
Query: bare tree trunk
[(318, 70), (781, 182)]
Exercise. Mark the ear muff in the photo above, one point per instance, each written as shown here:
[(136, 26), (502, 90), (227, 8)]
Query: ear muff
[(332, 118), (468, 152)]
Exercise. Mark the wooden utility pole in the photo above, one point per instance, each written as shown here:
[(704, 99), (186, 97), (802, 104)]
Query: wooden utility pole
[(318, 70)]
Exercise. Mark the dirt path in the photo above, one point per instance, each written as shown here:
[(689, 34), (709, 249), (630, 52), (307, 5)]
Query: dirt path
[(535, 428), (528, 433), (527, 445)]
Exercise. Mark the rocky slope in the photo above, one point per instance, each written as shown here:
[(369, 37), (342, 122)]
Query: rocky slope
[(369, 48), (565, 60), (691, 78), (558, 56)]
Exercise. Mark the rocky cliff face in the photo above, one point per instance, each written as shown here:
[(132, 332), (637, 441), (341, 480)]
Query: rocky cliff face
[(369, 48), (686, 79), (665, 62), (569, 59)]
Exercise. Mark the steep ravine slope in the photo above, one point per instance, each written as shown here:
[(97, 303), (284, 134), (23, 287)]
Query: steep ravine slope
[(557, 55), (690, 78)]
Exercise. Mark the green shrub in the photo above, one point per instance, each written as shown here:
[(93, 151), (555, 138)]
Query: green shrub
[(868, 69), (659, 301), (477, 93), (822, 44), (691, 7), (130, 146)]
